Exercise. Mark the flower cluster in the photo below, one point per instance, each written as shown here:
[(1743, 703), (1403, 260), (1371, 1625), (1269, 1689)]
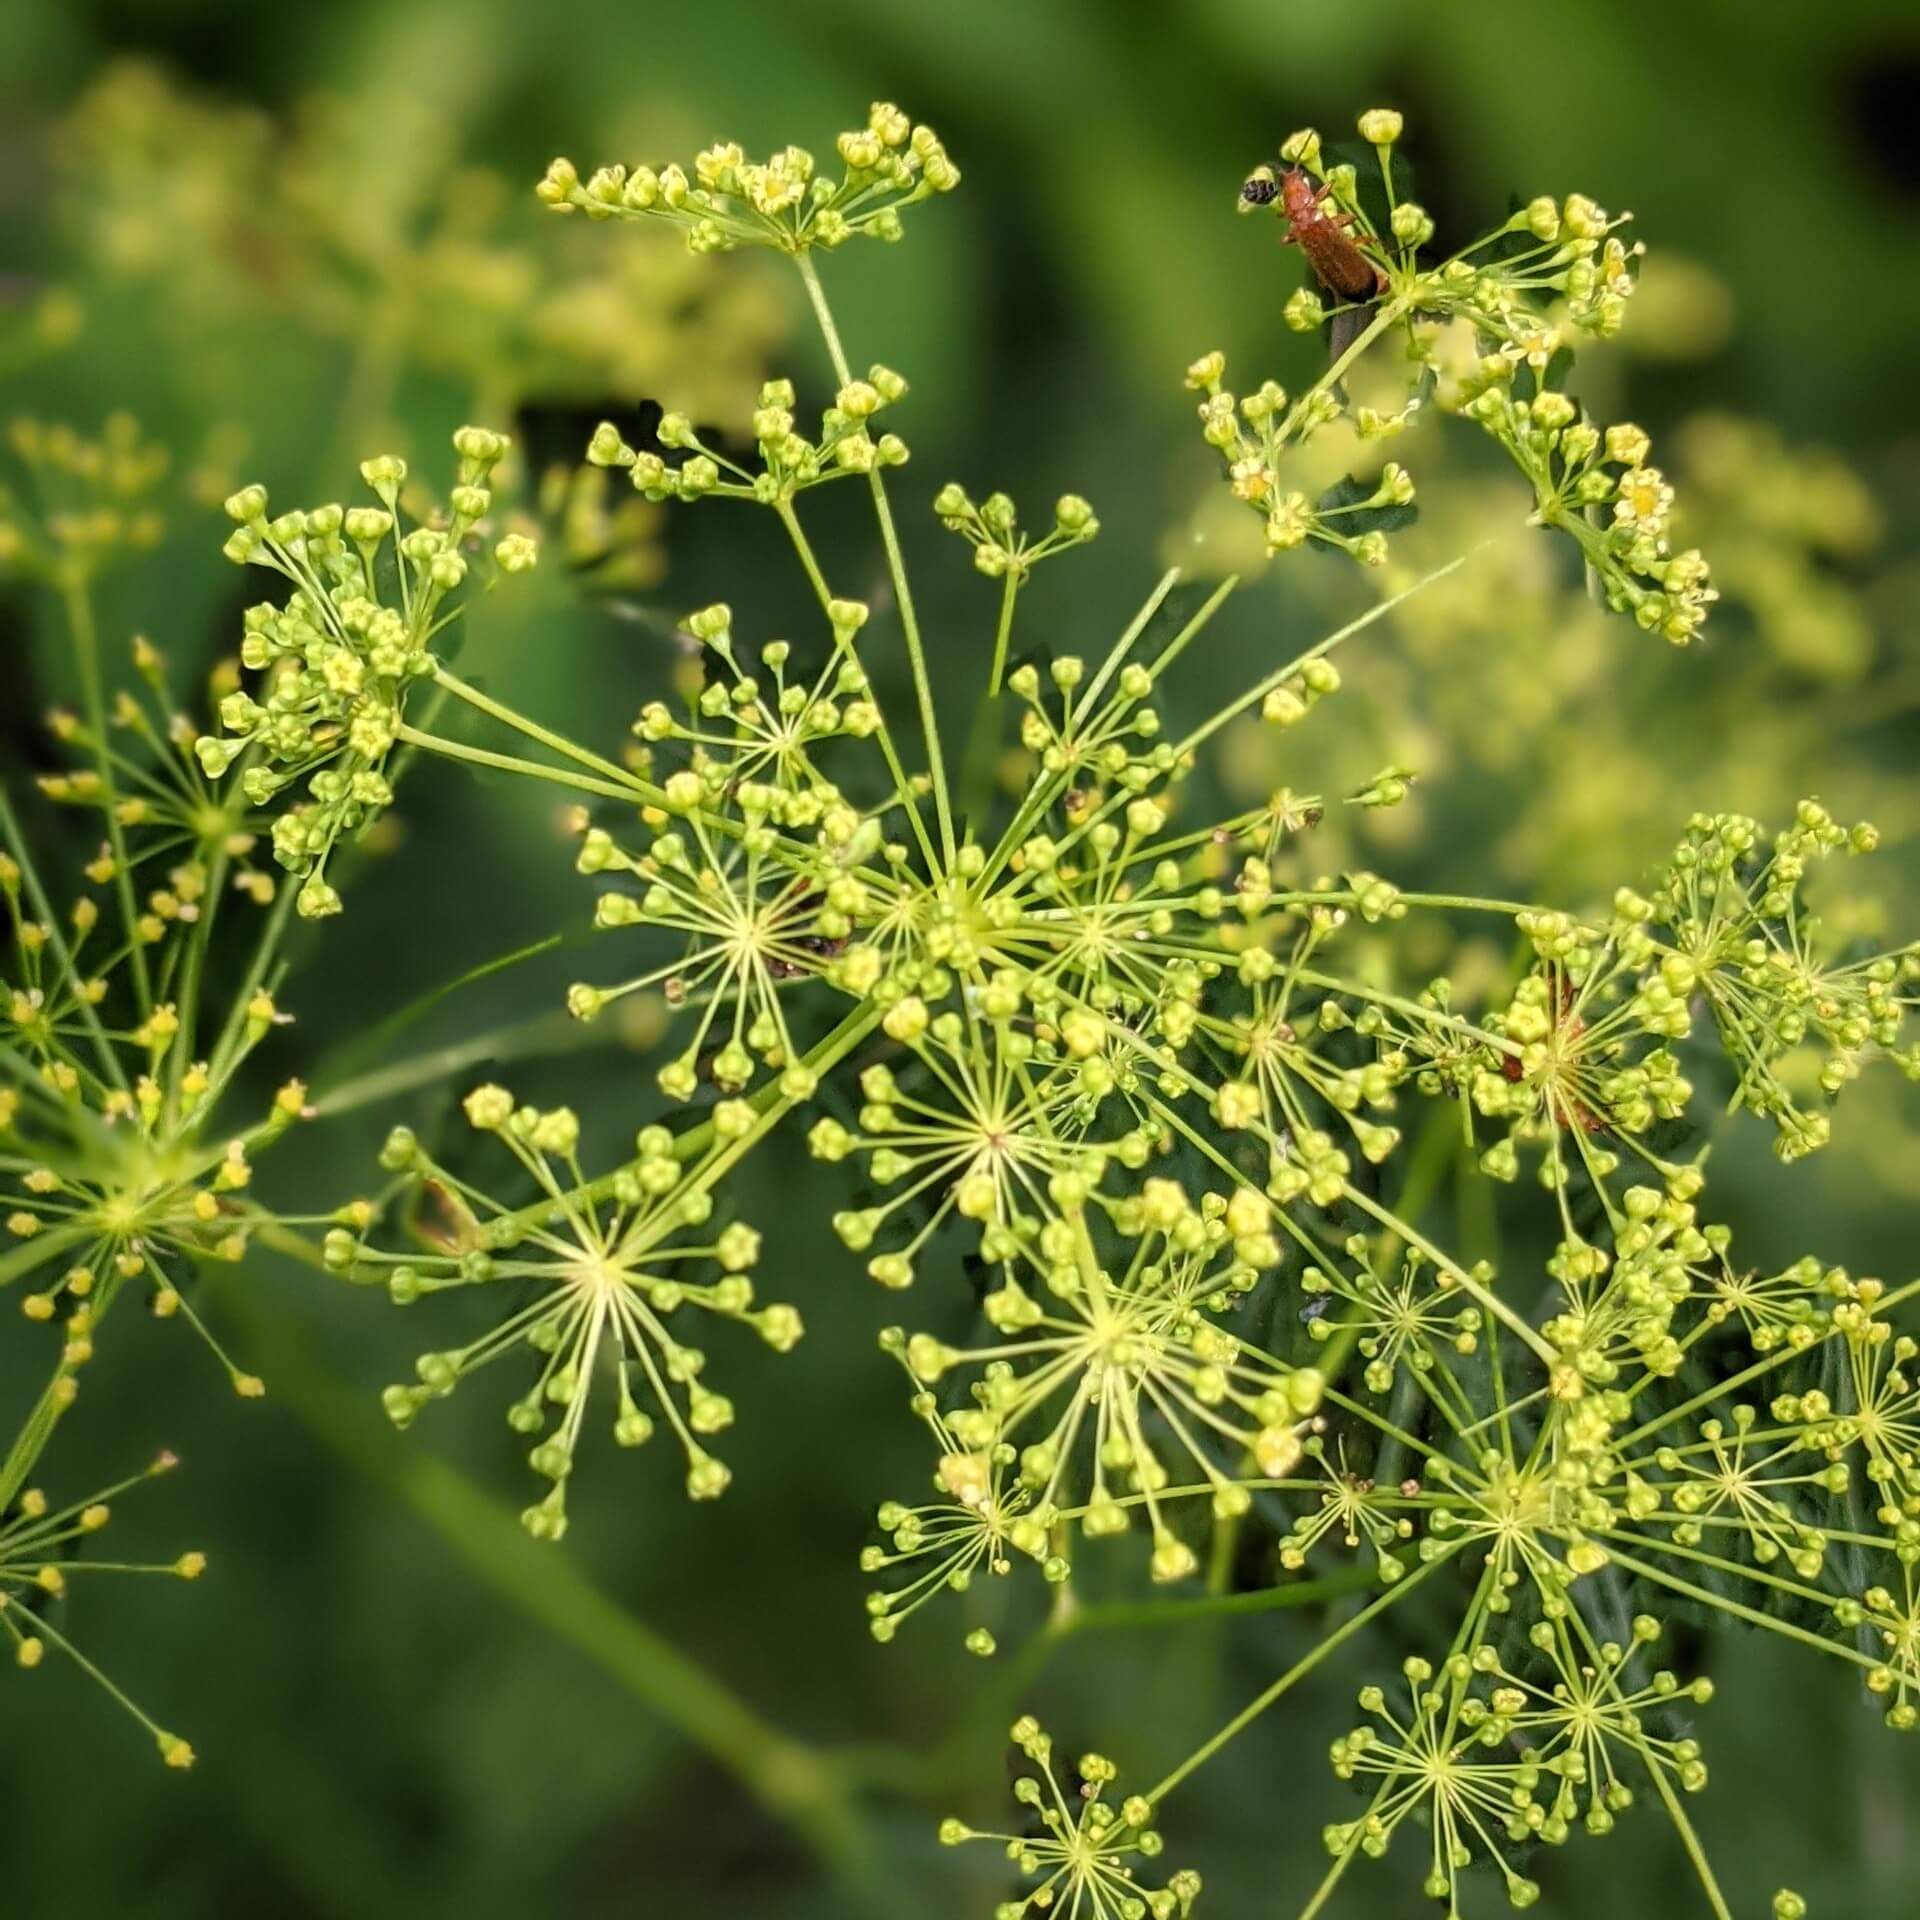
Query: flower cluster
[(790, 463), (42, 1548), (966, 1529), (1003, 552), (1588, 1042), (1511, 665), (1482, 1755), (124, 1163), (1103, 1007), (1739, 934), (1488, 333), (116, 1057), (1084, 1858), (1176, 1101), (1142, 1075), (1088, 1399), (783, 202), (338, 657), (603, 1269), (79, 502), (130, 1122)]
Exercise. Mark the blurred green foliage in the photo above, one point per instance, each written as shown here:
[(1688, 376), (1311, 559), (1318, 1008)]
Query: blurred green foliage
[(402, 1706)]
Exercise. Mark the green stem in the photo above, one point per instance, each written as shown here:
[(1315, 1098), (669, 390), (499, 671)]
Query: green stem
[(543, 1033), (995, 1704), (978, 758), (1466, 902), (1335, 1873), (1488, 1301), (1684, 1827), (376, 1043), (1002, 634), (637, 793), (36, 895), (35, 1431), (883, 733), (1185, 638), (805, 1789), (1723, 1389), (31, 1255), (896, 565), (556, 742), (1388, 316), (1752, 1615), (1298, 1671), (1261, 688), (226, 1056), (1156, 1613), (86, 653), (190, 981)]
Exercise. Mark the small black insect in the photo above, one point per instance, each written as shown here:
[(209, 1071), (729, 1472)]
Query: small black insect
[(1261, 190), (817, 945)]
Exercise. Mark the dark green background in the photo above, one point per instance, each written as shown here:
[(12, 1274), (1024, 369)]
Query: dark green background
[(394, 1710)]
